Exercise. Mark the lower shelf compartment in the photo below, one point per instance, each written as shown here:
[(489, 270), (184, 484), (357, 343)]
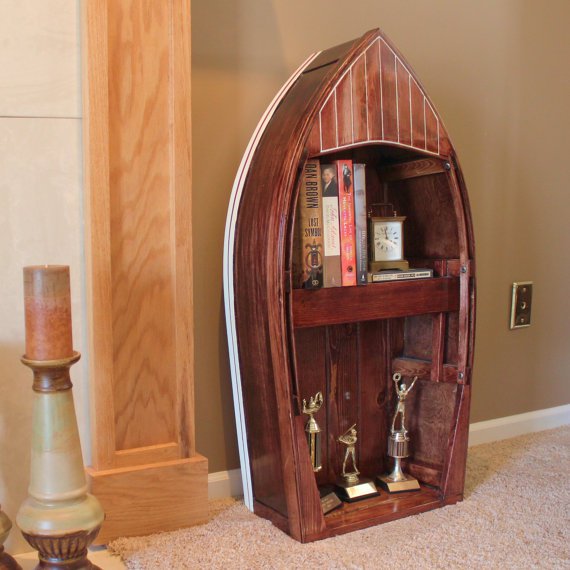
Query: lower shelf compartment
[(383, 508)]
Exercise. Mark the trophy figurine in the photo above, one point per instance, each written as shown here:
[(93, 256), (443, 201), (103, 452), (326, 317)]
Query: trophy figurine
[(329, 500), (351, 486), (313, 430), (398, 443)]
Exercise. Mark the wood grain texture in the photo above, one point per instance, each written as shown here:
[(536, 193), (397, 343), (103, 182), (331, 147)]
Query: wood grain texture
[(175, 495), (350, 340), (138, 219), (376, 301)]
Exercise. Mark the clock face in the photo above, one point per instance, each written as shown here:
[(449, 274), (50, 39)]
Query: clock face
[(388, 241)]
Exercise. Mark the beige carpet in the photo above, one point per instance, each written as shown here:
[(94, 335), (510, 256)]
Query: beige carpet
[(515, 516)]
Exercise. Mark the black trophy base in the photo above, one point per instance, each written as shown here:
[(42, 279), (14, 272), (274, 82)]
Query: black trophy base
[(362, 489), (329, 499)]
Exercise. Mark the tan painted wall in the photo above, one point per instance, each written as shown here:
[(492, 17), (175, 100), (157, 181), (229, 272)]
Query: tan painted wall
[(41, 219), (498, 73)]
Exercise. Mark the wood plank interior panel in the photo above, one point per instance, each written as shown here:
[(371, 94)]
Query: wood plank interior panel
[(389, 93), (375, 396), (429, 416), (418, 115), (360, 100), (342, 393), (404, 104), (328, 124), (311, 370), (418, 335), (411, 169), (374, 92), (432, 129), (425, 200), (344, 110), (376, 301)]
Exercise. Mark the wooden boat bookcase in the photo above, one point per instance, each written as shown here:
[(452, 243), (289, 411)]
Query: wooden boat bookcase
[(359, 101)]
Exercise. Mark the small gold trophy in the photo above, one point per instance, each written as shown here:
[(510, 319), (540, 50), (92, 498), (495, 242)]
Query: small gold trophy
[(398, 443), (351, 486), (313, 430), (329, 500)]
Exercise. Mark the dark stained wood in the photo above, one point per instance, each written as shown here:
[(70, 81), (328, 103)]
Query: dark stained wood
[(418, 119), (375, 395), (429, 414), (389, 93), (438, 346), (359, 101), (344, 108), (423, 369), (343, 391), (311, 346), (329, 127), (432, 129), (375, 301), (404, 105), (412, 169), (374, 92), (424, 473)]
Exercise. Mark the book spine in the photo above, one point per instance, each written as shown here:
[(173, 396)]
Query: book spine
[(401, 276), (360, 222), (311, 226), (331, 261), (347, 235)]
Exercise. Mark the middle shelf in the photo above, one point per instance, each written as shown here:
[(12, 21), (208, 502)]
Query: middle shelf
[(337, 305)]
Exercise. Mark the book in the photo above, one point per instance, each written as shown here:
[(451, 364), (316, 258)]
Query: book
[(346, 213), (398, 275), (331, 229), (310, 243), (360, 224)]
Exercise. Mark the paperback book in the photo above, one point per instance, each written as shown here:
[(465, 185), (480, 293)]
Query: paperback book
[(331, 228), (347, 237)]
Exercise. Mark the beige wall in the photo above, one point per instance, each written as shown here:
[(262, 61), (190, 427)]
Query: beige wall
[(40, 208), (498, 73)]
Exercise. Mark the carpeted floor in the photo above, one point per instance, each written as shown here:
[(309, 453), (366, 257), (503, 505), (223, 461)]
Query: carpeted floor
[(516, 515)]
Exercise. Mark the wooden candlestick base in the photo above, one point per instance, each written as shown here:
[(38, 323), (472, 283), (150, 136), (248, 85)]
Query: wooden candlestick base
[(59, 518), (6, 561)]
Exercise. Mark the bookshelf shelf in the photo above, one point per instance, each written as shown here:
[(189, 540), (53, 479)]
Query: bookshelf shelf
[(337, 305), (356, 102)]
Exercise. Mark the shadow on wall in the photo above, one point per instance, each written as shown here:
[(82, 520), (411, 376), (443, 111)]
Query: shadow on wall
[(15, 437), (233, 81)]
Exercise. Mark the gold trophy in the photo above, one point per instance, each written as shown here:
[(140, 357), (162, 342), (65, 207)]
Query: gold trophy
[(398, 443), (329, 500), (313, 430), (351, 486)]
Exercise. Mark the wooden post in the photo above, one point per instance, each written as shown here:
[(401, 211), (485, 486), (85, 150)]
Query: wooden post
[(59, 518), (145, 469)]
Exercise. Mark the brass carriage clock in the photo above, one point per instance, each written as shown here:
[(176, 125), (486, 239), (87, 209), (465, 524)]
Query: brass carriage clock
[(386, 238)]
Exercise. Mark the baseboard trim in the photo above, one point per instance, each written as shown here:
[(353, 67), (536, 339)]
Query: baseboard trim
[(519, 424), (225, 484)]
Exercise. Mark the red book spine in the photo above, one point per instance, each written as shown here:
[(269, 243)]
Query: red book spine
[(346, 214)]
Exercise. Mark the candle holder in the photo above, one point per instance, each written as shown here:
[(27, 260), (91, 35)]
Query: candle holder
[(59, 518), (6, 561)]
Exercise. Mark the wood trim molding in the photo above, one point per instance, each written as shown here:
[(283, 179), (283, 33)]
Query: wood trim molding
[(137, 141)]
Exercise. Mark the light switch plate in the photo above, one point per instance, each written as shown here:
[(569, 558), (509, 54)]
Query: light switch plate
[(521, 304)]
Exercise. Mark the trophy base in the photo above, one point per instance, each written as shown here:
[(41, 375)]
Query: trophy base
[(329, 499), (362, 489), (407, 484)]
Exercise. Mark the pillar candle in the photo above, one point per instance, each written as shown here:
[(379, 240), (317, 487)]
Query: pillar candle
[(47, 301)]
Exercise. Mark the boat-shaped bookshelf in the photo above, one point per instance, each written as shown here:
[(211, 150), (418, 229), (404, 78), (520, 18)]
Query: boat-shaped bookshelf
[(358, 101)]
